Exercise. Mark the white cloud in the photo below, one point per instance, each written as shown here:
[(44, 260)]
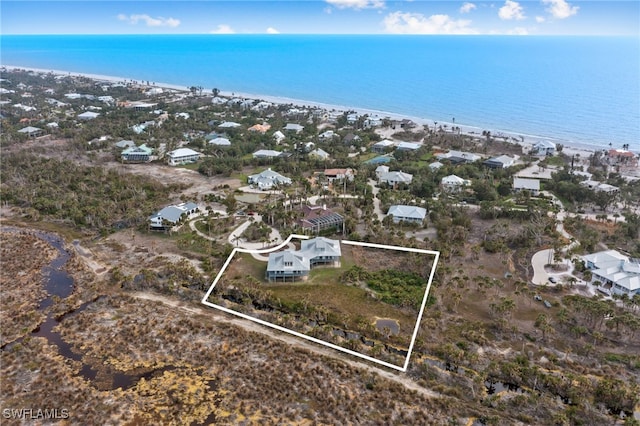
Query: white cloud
[(540, 19), (223, 29), (357, 4), (511, 10), (416, 23), (272, 30), (467, 7), (560, 9), (150, 21)]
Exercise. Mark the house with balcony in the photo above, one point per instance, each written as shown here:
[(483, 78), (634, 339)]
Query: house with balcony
[(296, 265), (614, 272)]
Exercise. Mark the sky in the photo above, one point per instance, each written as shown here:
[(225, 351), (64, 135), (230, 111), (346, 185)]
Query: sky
[(539, 17)]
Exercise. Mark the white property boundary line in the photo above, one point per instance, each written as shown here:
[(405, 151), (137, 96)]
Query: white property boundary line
[(313, 339)]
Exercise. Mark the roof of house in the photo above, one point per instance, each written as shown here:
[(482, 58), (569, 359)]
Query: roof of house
[(524, 183), (397, 177), (337, 172), (267, 153), (293, 126), (125, 144), (408, 146), (268, 177), (453, 180), (545, 144), (616, 267), (88, 114), (320, 246), (318, 152), (229, 124), (384, 143), (220, 141), (288, 260), (29, 129), (182, 152), (412, 212), (435, 165), (278, 135), (142, 149), (316, 216), (501, 159), (174, 212), (382, 169), (262, 128), (458, 156)]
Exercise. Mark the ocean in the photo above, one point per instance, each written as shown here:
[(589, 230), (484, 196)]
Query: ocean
[(581, 91)]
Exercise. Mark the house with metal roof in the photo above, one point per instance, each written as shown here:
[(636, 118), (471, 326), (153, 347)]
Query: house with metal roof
[(408, 146), (544, 147), (268, 179), (382, 146), (88, 115), (524, 184), (266, 153), (182, 156), (412, 214), (171, 215), (319, 153), (31, 131), (229, 125), (293, 127), (458, 157), (453, 183), (395, 178), (292, 265), (499, 162), (613, 272), (137, 154), (220, 142)]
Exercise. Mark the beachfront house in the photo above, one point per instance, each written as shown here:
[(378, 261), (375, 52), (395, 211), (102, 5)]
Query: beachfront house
[(171, 215), (524, 184), (395, 178), (182, 156), (268, 179), (293, 265), (411, 214), (544, 148), (136, 154), (614, 273)]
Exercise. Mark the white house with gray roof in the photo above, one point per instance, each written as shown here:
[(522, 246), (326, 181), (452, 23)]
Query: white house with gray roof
[(268, 179), (395, 178), (292, 265), (615, 272), (524, 184), (171, 215), (183, 156), (412, 214)]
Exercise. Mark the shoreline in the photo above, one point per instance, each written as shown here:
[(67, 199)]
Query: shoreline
[(523, 139)]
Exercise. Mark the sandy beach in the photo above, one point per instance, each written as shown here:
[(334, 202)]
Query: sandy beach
[(526, 140)]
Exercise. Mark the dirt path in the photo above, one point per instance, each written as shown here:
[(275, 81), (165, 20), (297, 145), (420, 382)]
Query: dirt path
[(399, 378)]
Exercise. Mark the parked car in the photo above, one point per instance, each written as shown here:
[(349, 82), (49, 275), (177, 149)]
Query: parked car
[(547, 303), (537, 298)]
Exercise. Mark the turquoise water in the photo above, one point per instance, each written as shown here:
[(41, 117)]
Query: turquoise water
[(582, 90)]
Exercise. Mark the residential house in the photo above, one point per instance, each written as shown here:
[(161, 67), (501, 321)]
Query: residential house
[(453, 183), (229, 125), (182, 156), (499, 162), (328, 135), (351, 139), (278, 136), (137, 154), (339, 174), (381, 170), (291, 265), (31, 131), (219, 141), (382, 146), (171, 215), (395, 178), (293, 127), (408, 146), (316, 219), (125, 144), (266, 153), (596, 186), (268, 179), (614, 272), (458, 157), (544, 148), (88, 115), (319, 153), (435, 166), (525, 184), (260, 128), (411, 214)]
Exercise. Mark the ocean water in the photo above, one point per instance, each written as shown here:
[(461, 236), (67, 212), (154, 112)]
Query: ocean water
[(584, 91)]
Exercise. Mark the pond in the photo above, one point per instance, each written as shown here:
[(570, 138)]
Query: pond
[(383, 324)]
